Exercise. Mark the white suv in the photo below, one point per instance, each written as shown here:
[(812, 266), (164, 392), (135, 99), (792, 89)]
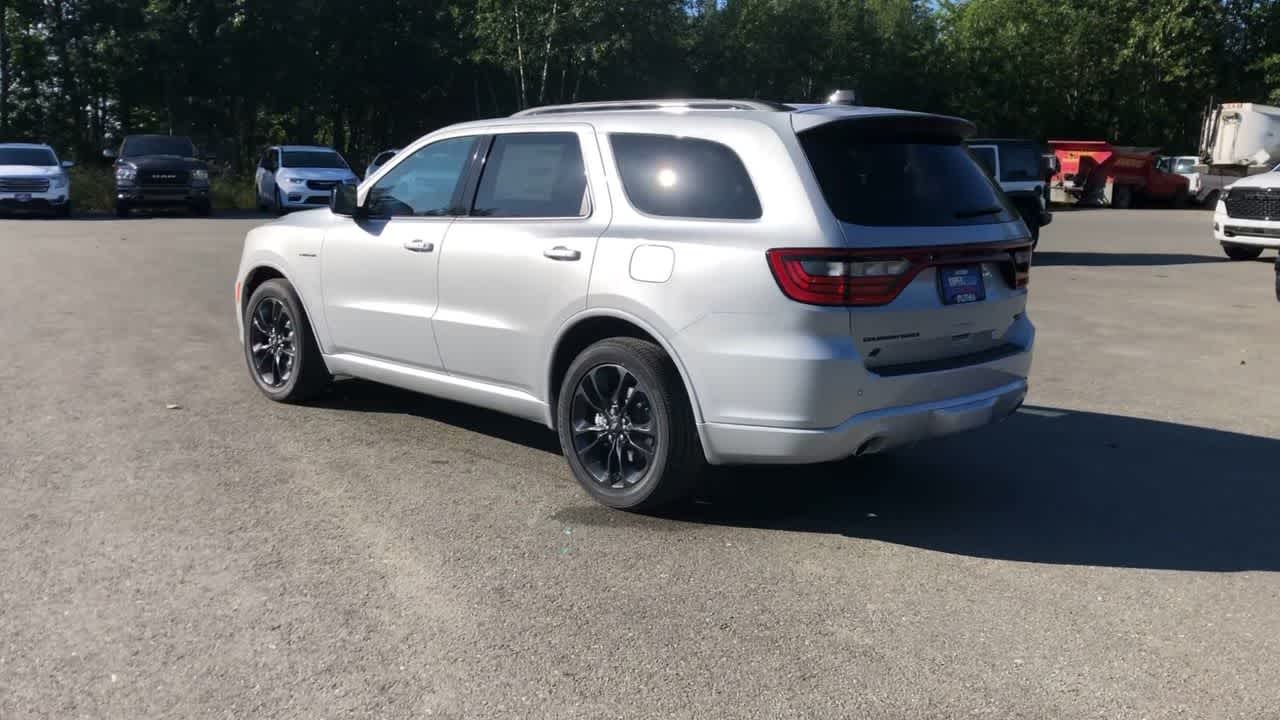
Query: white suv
[(33, 180), (664, 283)]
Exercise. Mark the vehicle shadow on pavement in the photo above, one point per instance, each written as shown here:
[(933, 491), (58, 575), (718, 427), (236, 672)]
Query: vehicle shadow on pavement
[(1046, 486), (1050, 258)]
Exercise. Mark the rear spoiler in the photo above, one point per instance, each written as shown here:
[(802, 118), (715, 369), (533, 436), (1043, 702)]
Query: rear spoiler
[(874, 121)]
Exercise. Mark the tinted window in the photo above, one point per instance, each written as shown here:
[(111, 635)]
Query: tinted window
[(1020, 161), (684, 177), (883, 177), (533, 175), (986, 157), (313, 159), (158, 145), (424, 183), (38, 157)]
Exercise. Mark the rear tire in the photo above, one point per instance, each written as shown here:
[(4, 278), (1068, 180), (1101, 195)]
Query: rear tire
[(1241, 252), (646, 453), (275, 306), (201, 209)]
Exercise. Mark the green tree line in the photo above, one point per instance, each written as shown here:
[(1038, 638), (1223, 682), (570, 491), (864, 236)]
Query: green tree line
[(363, 76)]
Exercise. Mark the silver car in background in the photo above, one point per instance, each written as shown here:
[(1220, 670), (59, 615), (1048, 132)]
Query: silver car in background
[(666, 284), (33, 180), (298, 177)]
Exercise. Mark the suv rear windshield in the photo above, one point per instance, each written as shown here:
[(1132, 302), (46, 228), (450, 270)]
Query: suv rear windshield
[(139, 146), (874, 174), (325, 159), (38, 157)]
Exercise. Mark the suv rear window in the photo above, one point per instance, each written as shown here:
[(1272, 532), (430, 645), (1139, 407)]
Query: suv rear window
[(533, 175), (684, 177), (1019, 162), (880, 176)]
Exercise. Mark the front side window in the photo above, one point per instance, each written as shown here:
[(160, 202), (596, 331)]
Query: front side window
[(684, 177), (158, 145), (423, 184), (876, 174), (38, 157), (1184, 165), (533, 175), (324, 159)]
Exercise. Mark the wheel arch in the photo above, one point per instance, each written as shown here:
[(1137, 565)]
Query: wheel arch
[(584, 329), (260, 272)]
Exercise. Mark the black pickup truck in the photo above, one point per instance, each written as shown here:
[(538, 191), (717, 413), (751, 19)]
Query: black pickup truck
[(160, 171)]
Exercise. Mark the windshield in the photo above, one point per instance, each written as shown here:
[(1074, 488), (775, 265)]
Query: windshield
[(882, 177), (38, 157), (139, 146), (1184, 165), (326, 159)]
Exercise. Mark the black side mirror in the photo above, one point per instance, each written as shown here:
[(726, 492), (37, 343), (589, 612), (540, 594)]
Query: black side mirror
[(345, 200)]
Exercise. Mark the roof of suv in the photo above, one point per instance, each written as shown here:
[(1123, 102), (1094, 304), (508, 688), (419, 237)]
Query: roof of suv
[(317, 148), (27, 146), (796, 116)]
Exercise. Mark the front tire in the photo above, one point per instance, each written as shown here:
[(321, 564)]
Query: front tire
[(122, 210), (279, 208), (1241, 252), (626, 426), (1211, 200), (1121, 197), (283, 357)]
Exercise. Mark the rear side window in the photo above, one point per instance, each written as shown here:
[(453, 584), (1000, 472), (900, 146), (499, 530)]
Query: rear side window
[(533, 175), (886, 178), (1019, 162), (684, 177)]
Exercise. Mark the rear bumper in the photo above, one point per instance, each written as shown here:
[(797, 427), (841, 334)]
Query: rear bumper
[(865, 433)]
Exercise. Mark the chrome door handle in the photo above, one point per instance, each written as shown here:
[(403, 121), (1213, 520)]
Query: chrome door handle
[(419, 246), (561, 252)]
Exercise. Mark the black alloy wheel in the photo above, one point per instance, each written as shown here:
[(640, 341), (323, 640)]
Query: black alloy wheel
[(615, 431), (272, 344)]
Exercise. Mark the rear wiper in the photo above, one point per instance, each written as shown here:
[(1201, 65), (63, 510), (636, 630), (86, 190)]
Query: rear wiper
[(966, 214)]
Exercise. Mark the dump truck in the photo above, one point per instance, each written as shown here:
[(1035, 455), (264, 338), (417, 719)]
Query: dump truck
[(1097, 173)]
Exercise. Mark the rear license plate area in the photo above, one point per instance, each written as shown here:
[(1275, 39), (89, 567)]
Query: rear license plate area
[(961, 284)]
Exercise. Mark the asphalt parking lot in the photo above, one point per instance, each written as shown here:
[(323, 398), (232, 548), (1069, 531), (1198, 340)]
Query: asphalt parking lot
[(1112, 551)]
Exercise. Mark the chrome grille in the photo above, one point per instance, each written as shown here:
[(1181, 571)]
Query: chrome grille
[(24, 185), (1254, 204)]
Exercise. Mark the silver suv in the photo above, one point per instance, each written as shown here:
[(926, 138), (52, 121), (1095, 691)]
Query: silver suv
[(664, 283)]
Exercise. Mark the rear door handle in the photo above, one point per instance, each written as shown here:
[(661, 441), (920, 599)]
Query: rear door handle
[(562, 253), (419, 246)]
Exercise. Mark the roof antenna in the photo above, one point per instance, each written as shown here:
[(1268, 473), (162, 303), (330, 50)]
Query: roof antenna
[(843, 97)]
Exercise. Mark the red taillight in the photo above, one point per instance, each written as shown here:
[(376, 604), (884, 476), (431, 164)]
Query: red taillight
[(836, 277), (821, 276)]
